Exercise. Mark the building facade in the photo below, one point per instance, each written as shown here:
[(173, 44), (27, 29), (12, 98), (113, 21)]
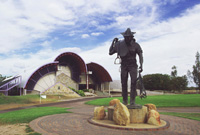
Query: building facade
[(67, 71)]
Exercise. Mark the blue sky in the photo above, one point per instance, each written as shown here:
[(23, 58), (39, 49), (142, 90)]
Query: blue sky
[(35, 32)]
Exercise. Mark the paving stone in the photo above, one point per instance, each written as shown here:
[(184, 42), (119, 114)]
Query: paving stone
[(76, 124)]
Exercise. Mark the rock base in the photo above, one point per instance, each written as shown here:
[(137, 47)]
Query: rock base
[(138, 115), (110, 112), (121, 115), (132, 126)]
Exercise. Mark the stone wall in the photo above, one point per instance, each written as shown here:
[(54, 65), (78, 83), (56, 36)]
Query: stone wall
[(63, 69), (60, 89), (66, 80)]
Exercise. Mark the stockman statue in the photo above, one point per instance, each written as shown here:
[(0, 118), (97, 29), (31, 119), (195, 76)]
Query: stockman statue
[(127, 50)]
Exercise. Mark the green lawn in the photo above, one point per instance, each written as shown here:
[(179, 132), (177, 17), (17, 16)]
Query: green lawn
[(18, 99), (30, 99), (27, 115), (179, 100), (193, 116)]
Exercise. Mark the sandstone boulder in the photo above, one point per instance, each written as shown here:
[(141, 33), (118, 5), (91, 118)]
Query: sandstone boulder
[(154, 118), (113, 102), (99, 113), (121, 115), (150, 107)]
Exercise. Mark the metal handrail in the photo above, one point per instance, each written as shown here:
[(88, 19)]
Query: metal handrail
[(16, 81)]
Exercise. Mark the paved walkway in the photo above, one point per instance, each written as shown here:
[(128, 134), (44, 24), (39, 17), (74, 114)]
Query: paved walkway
[(76, 123)]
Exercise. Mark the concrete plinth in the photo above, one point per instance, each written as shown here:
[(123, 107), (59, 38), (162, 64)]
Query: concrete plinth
[(110, 112), (138, 115)]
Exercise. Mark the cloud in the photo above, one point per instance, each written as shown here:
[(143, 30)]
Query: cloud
[(96, 33), (171, 42), (101, 56), (31, 24), (17, 64), (27, 22), (85, 36), (167, 43)]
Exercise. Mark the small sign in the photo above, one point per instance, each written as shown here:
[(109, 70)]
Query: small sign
[(44, 96)]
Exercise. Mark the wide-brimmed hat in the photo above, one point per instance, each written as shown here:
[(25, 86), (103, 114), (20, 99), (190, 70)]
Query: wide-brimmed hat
[(128, 33)]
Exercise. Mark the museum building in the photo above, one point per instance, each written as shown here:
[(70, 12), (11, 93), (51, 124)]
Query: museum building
[(67, 71)]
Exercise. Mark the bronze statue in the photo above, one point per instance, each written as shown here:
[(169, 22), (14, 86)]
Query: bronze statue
[(126, 51)]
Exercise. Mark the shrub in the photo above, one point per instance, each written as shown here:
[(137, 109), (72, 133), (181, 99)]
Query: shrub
[(85, 90), (156, 82), (179, 83), (1, 94), (80, 92)]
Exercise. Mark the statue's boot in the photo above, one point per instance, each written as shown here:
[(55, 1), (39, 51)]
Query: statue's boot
[(133, 105), (125, 102), (132, 100)]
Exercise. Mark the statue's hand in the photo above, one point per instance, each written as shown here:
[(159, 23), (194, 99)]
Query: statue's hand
[(116, 39), (140, 69)]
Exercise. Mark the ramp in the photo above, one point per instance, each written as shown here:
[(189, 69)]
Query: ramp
[(9, 83)]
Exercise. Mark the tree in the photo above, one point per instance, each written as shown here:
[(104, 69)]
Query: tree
[(156, 82), (174, 71), (2, 78), (177, 82), (195, 74)]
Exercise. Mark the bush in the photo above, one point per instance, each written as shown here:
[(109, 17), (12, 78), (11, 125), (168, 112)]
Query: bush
[(156, 82), (164, 82), (1, 94), (80, 92), (179, 83), (85, 90)]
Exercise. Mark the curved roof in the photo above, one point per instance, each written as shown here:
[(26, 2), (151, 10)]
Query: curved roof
[(76, 65), (74, 62), (40, 72), (99, 74)]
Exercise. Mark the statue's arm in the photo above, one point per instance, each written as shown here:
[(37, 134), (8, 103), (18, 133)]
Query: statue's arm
[(141, 61), (112, 49), (140, 54)]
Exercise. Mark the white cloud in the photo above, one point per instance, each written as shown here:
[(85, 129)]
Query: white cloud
[(14, 64), (85, 36), (28, 21), (96, 33), (32, 20), (172, 42), (165, 43), (101, 56)]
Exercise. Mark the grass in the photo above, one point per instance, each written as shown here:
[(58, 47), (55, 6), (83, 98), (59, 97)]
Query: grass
[(193, 116), (18, 99), (186, 100), (30, 131), (8, 102), (30, 99), (27, 115), (179, 100)]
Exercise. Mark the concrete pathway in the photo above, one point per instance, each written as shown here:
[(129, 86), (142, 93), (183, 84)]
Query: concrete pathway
[(76, 123)]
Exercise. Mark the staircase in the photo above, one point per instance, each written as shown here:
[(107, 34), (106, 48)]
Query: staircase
[(101, 94), (9, 83)]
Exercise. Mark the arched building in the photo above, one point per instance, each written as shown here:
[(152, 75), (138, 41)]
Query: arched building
[(68, 71)]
